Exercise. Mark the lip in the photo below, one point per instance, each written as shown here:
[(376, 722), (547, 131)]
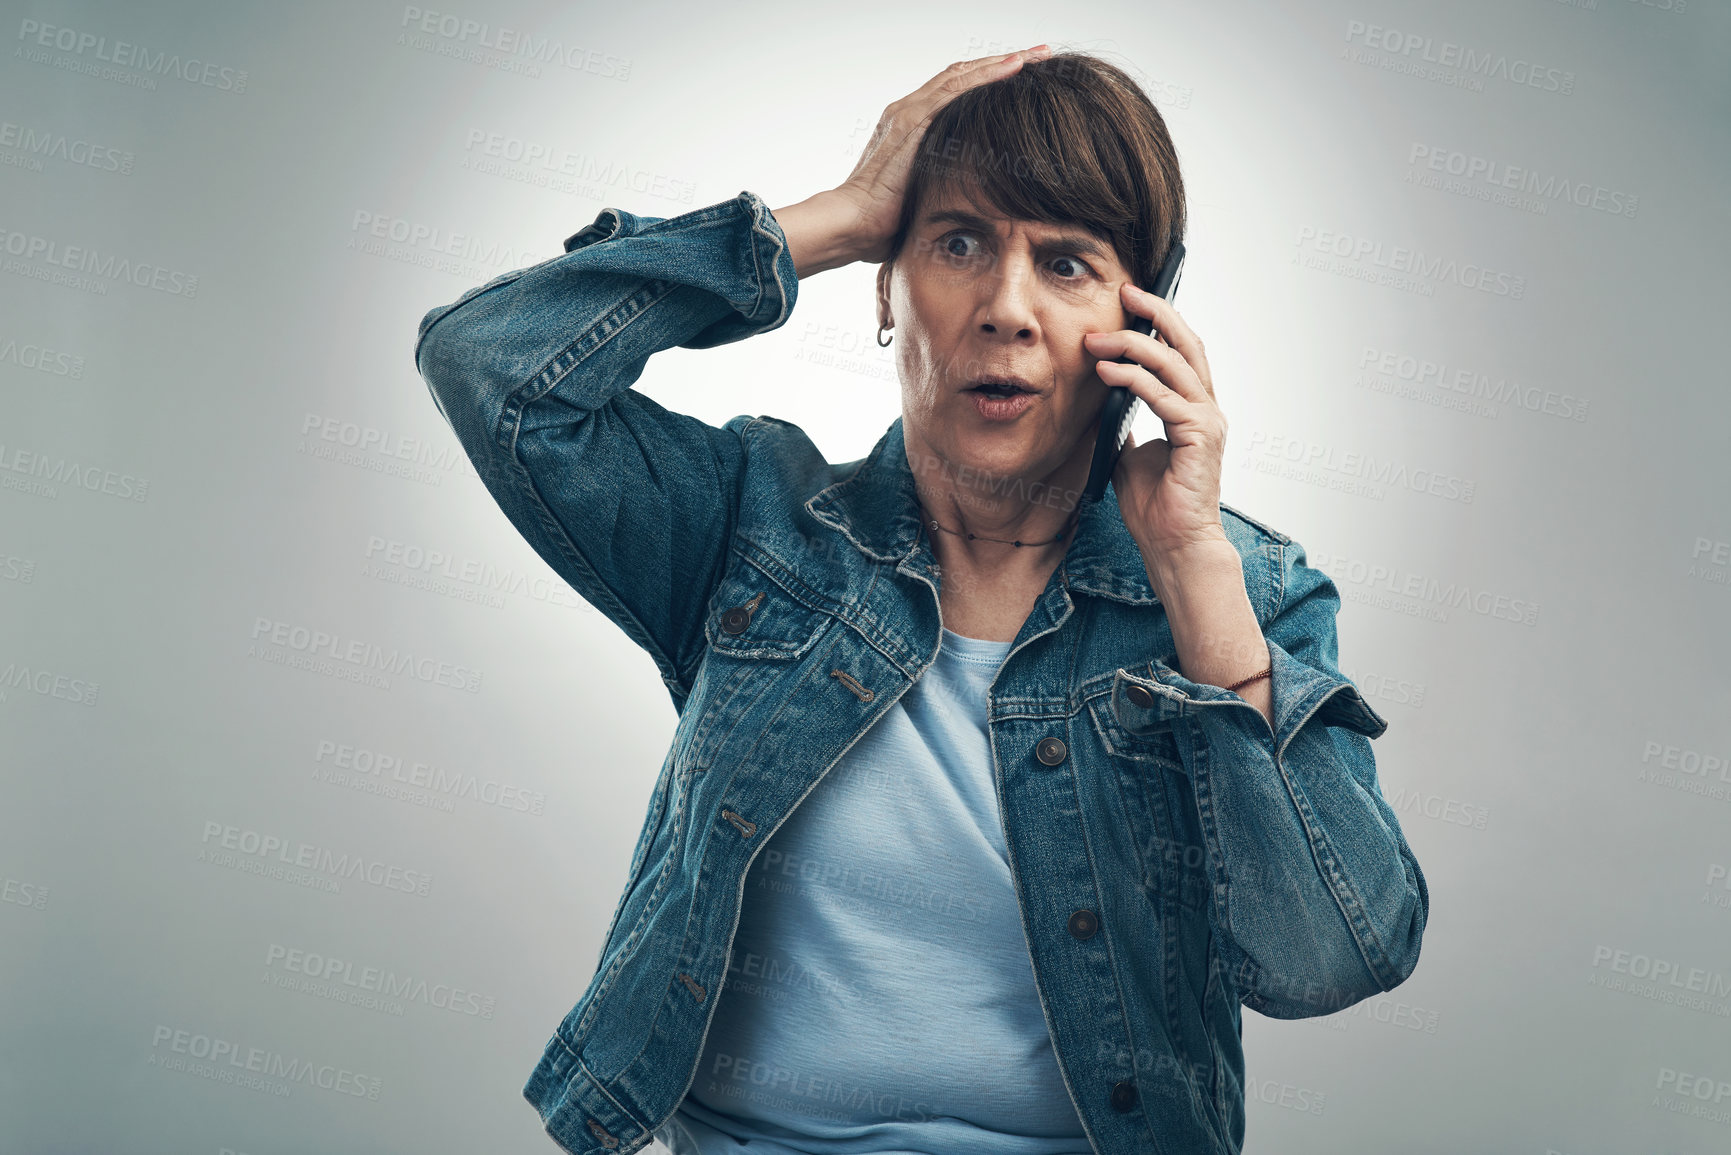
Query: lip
[(1015, 379), (1006, 409)]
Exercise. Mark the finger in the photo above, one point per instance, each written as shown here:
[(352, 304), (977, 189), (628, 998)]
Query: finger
[(1169, 405), (964, 68), (1172, 326), (1158, 452), (966, 73), (1167, 364), (1032, 53)]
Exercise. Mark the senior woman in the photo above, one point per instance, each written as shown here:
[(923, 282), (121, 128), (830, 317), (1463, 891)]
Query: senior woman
[(987, 807)]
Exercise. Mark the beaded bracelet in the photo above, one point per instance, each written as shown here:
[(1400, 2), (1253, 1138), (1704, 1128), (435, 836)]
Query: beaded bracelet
[(1252, 678)]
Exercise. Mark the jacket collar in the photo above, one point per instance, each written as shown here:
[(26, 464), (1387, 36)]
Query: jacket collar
[(877, 509)]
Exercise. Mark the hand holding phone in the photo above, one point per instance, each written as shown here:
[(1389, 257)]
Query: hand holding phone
[(1120, 408)]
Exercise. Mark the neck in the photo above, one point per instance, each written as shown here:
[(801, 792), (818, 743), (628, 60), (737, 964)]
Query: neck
[(1041, 513)]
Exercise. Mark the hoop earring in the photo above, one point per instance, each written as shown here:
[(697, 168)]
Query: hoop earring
[(883, 344)]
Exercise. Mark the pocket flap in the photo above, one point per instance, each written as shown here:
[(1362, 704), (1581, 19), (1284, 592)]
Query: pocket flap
[(753, 617)]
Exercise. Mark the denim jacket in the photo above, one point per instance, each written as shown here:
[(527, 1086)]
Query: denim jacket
[(1173, 855)]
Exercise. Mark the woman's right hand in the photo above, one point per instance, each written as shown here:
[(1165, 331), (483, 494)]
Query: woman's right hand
[(856, 220), (879, 180)]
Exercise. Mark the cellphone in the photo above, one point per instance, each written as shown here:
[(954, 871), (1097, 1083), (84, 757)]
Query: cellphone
[(1120, 408)]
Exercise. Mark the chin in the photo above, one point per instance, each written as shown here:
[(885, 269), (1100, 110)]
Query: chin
[(1002, 452)]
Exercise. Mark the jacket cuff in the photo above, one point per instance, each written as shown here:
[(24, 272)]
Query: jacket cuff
[(749, 250), (1298, 692)]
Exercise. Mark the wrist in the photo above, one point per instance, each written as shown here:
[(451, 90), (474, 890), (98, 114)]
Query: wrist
[(1208, 559), (820, 232)]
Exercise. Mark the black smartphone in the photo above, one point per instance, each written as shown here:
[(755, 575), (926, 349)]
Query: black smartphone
[(1120, 407)]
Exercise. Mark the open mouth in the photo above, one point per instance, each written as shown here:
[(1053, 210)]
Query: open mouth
[(999, 389), (1002, 398)]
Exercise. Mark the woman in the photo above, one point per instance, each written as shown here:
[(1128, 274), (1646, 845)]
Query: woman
[(987, 807)]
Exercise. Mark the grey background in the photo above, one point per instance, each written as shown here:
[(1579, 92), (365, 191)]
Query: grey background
[(1562, 782)]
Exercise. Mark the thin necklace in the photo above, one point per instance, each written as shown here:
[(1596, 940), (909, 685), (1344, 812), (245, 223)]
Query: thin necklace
[(1068, 524)]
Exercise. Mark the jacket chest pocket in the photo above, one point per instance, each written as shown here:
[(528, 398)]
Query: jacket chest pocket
[(1159, 804), (753, 618), (759, 638)]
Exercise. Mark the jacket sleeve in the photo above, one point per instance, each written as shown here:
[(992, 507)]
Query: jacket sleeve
[(631, 504), (1317, 901)]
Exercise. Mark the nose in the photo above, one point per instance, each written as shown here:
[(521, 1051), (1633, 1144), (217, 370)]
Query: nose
[(1006, 306)]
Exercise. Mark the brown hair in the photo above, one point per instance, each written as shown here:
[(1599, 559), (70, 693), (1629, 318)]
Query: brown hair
[(1068, 139)]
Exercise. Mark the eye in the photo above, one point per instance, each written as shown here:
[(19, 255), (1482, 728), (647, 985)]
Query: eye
[(954, 245), (1082, 267)]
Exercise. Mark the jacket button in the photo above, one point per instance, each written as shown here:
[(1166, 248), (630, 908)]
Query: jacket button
[(1083, 924), (1140, 696), (1051, 751), (1124, 1096), (736, 619)]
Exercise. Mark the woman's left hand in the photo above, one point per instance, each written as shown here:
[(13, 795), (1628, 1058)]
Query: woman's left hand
[(1168, 489)]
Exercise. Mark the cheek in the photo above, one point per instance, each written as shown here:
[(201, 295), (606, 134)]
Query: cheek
[(1079, 375)]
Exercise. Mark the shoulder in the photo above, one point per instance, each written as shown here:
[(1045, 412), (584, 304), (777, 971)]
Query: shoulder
[(1267, 554), (783, 470), (782, 452), (1241, 527)]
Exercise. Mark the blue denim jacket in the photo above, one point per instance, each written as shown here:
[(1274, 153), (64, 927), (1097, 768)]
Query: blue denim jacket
[(1173, 856)]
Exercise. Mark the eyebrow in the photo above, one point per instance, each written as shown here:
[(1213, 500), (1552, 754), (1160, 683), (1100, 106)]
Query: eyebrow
[(1073, 242)]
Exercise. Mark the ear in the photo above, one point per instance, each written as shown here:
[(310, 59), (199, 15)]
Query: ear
[(885, 271)]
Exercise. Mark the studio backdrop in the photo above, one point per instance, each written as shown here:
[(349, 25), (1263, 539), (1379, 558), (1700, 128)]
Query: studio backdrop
[(318, 786)]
